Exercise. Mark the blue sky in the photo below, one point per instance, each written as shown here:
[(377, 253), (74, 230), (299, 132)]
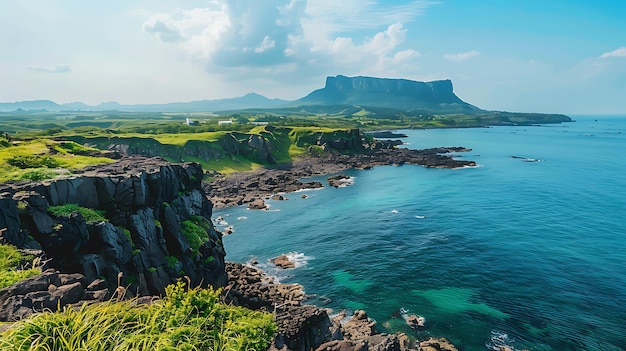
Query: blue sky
[(514, 55)]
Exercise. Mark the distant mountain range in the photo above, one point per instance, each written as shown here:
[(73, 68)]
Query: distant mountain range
[(340, 95), (251, 100)]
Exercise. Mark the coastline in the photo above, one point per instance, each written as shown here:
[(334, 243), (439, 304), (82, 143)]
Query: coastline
[(248, 187), (251, 287)]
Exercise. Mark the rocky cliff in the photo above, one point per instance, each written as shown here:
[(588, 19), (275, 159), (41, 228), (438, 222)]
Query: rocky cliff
[(400, 94), (138, 223)]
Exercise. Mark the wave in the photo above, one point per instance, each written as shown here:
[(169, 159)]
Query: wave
[(298, 258), (500, 341)]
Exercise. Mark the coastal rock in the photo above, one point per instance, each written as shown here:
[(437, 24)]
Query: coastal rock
[(415, 322), (359, 327), (283, 262), (257, 204), (437, 344), (49, 290), (306, 327), (244, 188), (143, 208), (339, 180), (278, 197)]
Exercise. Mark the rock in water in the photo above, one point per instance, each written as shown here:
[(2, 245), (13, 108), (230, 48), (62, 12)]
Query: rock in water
[(283, 262)]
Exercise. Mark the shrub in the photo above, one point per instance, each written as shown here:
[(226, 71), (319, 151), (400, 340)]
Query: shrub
[(196, 233), (38, 174), (33, 161), (172, 261), (90, 215)]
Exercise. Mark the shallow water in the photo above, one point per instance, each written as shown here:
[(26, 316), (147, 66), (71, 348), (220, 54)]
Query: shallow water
[(533, 250)]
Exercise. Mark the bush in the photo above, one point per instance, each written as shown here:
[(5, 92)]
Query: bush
[(183, 320), (38, 174), (196, 232), (32, 161)]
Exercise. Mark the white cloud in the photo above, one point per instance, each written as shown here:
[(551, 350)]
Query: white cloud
[(51, 69), (276, 38), (266, 44), (462, 56), (621, 52), (163, 29)]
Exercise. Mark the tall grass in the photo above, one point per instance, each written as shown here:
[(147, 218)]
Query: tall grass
[(183, 320)]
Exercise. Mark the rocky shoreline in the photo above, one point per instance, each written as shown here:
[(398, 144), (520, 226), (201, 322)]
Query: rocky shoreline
[(252, 187), (306, 327)]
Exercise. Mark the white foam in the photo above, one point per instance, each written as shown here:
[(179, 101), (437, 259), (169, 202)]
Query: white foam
[(500, 341), (394, 211), (298, 258), (420, 217), (242, 218), (465, 167), (344, 182), (309, 189)]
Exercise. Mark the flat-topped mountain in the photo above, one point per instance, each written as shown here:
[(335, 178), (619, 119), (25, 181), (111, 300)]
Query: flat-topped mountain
[(401, 94)]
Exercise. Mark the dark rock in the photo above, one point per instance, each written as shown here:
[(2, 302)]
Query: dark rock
[(278, 197), (66, 279), (144, 201), (339, 180)]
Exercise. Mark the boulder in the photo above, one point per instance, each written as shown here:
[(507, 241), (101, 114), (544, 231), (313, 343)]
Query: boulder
[(257, 204), (415, 322), (283, 262)]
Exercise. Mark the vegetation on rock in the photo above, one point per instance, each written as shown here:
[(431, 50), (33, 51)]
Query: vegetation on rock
[(90, 215)]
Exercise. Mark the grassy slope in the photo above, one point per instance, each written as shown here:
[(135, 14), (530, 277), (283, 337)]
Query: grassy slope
[(183, 320), (67, 158)]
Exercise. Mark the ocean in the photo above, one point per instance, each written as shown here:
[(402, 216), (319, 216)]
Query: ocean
[(528, 249)]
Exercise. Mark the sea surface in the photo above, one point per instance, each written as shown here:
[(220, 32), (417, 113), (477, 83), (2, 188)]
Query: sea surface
[(527, 251)]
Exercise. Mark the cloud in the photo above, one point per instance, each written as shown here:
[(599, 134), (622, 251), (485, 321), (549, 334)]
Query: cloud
[(266, 44), (275, 39), (163, 29), (621, 52), (51, 69), (463, 56)]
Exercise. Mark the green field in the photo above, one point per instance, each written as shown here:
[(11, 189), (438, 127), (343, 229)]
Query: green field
[(42, 145)]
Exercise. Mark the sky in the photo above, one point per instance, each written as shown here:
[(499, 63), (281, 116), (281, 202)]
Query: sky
[(557, 56)]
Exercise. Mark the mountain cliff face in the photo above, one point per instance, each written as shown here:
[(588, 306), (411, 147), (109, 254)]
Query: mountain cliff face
[(139, 223), (400, 94)]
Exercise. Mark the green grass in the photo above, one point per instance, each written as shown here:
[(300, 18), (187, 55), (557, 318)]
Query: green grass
[(43, 159), (10, 261), (182, 320), (90, 215)]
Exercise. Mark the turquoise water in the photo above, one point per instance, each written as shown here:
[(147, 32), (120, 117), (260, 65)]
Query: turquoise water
[(533, 250)]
